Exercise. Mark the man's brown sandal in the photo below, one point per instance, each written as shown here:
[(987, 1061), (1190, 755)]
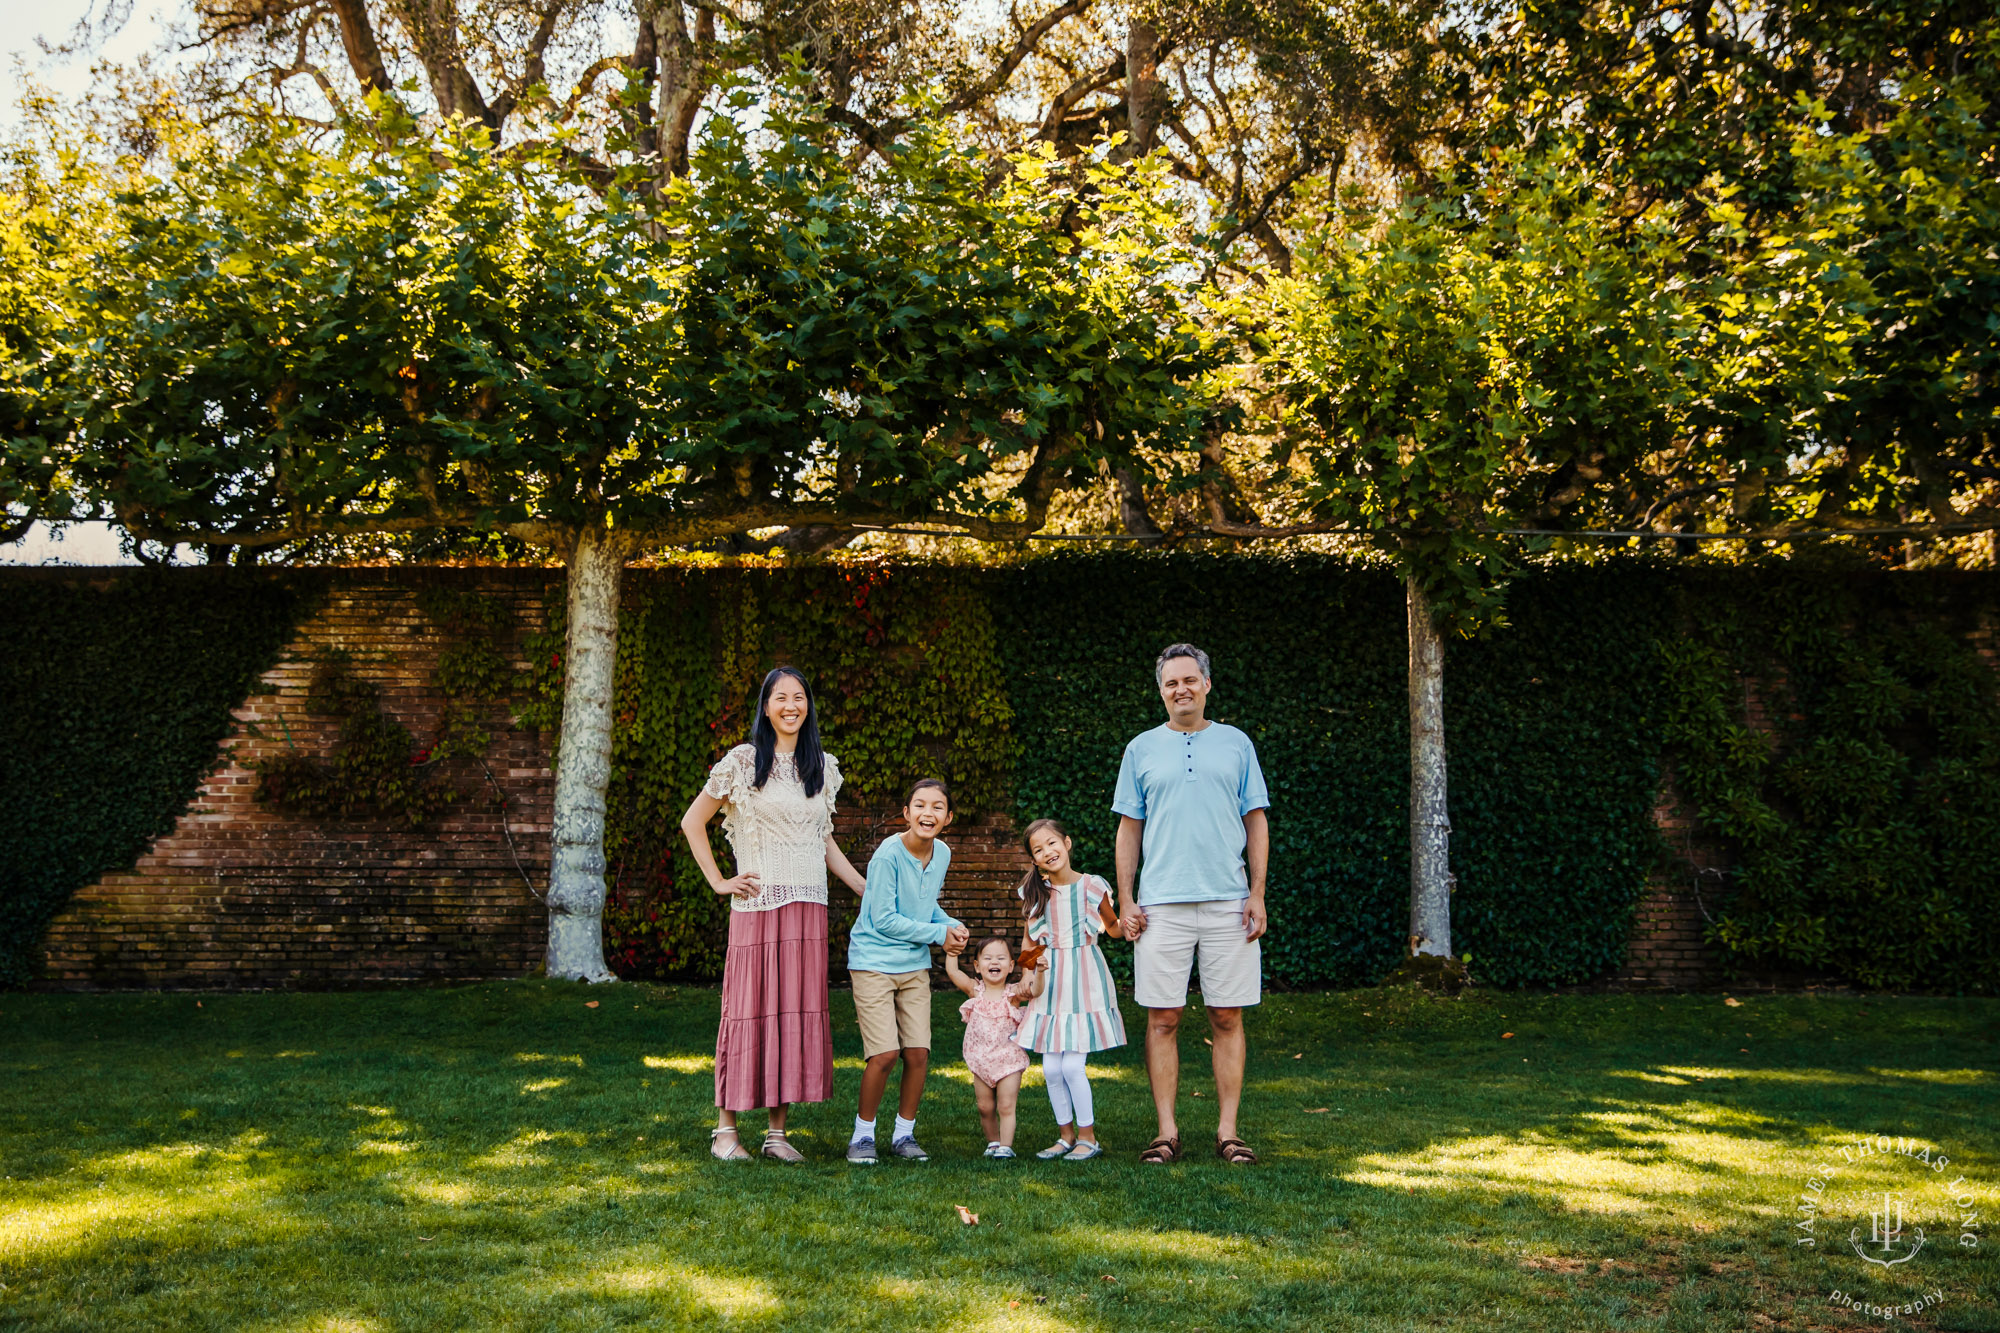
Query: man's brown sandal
[(1235, 1152), (1161, 1151)]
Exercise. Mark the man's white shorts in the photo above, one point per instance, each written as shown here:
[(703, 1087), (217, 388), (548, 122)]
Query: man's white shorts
[(1176, 934)]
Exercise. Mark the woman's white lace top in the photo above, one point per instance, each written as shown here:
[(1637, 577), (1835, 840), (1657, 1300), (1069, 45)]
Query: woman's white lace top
[(778, 833)]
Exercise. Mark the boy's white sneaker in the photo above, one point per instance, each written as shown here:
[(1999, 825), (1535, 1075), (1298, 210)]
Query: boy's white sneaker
[(861, 1152), (907, 1147)]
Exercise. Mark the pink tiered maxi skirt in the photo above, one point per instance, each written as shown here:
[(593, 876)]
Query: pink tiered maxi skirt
[(775, 1044)]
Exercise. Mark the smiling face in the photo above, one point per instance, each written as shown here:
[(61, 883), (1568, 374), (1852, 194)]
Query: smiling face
[(1051, 852), (995, 962), (787, 707), (1184, 690), (927, 813)]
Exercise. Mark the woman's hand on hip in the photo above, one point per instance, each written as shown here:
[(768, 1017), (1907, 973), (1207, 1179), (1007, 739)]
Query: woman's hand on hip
[(742, 886)]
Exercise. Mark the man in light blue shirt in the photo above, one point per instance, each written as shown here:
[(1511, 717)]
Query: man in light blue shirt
[(1193, 843)]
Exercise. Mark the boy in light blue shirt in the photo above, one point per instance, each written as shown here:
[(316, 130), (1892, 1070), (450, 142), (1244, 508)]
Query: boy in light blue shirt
[(888, 961)]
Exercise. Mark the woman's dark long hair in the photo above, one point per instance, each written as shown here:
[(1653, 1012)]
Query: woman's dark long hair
[(1035, 888), (764, 737)]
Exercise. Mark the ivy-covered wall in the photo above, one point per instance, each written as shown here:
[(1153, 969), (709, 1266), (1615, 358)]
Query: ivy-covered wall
[(116, 693), (1837, 732)]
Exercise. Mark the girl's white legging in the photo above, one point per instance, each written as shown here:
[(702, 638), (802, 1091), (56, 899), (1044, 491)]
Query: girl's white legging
[(1069, 1087)]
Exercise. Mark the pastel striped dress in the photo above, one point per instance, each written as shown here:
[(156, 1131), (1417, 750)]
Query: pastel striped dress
[(1078, 1007)]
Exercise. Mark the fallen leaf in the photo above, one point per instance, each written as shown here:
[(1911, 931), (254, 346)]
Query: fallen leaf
[(966, 1215), (1300, 1056), (590, 1004), (427, 1238), (1503, 1037), (197, 1004), (1013, 1305), (1732, 1002), (1744, 1049), (1318, 1110), (1107, 1278)]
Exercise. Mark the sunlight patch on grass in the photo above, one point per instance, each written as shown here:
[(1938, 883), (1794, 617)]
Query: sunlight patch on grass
[(338, 1323), (1186, 1246), (450, 1193), (536, 1057), (1648, 1076), (389, 1147), (518, 1151), (1961, 1076), (1662, 1166), (293, 1055), (727, 1296), (53, 1228), (542, 1085), (681, 1064), (373, 1110)]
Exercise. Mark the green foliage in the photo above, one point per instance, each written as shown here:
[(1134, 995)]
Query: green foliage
[(1554, 755), (117, 697), (904, 674), (1866, 810)]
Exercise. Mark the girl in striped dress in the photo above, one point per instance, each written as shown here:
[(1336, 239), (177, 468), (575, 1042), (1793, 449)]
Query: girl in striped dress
[(1077, 1010)]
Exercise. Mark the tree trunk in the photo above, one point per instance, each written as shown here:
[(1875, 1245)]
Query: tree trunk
[(1430, 821), (583, 761)]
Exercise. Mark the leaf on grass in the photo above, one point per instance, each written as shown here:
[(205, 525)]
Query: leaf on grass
[(966, 1215), (1300, 1056), (1505, 1035), (590, 1004), (1107, 1278), (1732, 1002), (1318, 1110)]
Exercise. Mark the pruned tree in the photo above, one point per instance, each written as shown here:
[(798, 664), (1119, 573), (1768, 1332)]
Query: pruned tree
[(407, 332)]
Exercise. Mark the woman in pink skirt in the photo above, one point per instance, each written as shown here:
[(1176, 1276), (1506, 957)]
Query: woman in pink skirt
[(775, 1045)]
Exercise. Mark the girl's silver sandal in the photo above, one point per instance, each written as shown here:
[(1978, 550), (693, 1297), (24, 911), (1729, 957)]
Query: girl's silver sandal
[(735, 1152), (1060, 1148), (1083, 1151), (779, 1148)]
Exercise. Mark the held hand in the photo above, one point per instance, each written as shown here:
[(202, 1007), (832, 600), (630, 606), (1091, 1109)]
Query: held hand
[(956, 938), (1133, 923), (1255, 920), (1042, 963), (743, 886), (953, 949)]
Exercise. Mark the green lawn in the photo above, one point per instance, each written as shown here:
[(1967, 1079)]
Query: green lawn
[(503, 1156)]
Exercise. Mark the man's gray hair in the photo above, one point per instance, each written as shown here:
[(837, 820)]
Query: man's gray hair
[(1173, 650)]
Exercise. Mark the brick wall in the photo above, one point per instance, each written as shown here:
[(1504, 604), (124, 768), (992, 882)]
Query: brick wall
[(239, 894), (242, 895)]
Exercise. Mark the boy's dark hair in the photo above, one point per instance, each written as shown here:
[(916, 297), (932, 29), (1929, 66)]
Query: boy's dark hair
[(922, 783)]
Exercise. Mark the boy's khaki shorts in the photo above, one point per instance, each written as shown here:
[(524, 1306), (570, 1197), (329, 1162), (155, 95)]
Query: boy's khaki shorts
[(893, 1009)]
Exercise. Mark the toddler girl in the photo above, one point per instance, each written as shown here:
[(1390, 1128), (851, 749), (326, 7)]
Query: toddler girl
[(1077, 1012), (992, 1017)]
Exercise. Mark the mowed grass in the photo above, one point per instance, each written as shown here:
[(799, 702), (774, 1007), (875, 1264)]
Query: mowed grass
[(505, 1156)]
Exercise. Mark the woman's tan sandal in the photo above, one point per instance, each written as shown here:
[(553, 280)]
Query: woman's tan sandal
[(735, 1152), (779, 1148), (1235, 1152), (1161, 1151)]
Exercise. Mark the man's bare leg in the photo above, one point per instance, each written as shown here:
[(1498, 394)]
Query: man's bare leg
[(1228, 1058), (1163, 1066)]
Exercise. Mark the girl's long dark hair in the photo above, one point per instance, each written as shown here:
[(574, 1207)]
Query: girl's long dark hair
[(764, 737), (1035, 888)]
